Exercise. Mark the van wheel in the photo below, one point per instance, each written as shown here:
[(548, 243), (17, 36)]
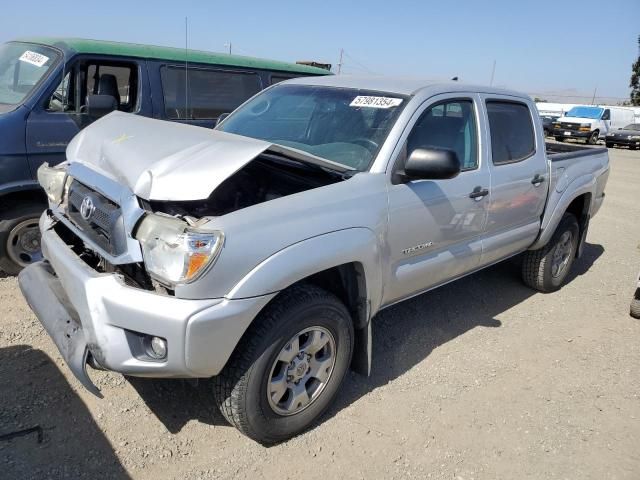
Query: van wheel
[(20, 237), (593, 138), (635, 305), (288, 367), (546, 269)]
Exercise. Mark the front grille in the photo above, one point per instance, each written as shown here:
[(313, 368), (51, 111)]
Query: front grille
[(103, 224), (569, 125)]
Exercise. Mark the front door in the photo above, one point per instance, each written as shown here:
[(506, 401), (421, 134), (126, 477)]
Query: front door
[(436, 226)]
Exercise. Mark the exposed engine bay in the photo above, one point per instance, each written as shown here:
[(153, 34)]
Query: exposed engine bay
[(268, 177)]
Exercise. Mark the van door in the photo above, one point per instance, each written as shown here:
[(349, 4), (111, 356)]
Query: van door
[(61, 113), (606, 123), (519, 180), (200, 94), (436, 226)]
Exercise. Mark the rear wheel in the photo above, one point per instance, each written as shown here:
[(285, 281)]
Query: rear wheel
[(547, 268), (288, 367), (593, 138), (20, 237)]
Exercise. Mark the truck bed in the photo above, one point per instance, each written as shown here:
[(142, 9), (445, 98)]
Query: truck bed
[(564, 151)]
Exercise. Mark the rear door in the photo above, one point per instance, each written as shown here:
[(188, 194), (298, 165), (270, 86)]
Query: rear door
[(436, 226), (519, 180)]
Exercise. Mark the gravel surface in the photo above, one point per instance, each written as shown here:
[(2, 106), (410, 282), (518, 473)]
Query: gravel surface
[(480, 379)]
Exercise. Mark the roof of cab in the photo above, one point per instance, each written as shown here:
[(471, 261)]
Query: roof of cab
[(401, 85), (103, 47)]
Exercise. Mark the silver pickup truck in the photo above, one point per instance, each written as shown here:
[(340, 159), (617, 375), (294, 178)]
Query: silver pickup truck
[(260, 252)]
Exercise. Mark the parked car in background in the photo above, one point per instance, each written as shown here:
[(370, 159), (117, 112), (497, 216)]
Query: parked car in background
[(259, 253), (591, 123), (635, 301), (628, 136), (547, 124), (50, 89)]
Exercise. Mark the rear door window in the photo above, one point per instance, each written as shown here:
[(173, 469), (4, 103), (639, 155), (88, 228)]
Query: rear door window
[(205, 94), (511, 129)]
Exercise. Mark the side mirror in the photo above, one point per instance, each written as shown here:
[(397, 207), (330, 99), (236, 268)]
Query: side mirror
[(221, 118), (431, 164), (100, 105)]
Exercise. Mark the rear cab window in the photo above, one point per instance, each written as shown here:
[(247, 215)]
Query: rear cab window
[(511, 131), (205, 93)]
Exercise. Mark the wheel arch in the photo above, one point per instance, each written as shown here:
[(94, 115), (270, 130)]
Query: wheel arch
[(346, 263), (13, 195)]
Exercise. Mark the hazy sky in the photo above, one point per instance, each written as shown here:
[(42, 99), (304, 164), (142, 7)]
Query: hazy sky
[(566, 47)]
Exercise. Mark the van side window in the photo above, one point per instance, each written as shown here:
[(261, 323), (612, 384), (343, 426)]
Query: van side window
[(113, 80), (449, 125), (606, 115), (280, 78), (211, 92), (511, 129), (89, 77)]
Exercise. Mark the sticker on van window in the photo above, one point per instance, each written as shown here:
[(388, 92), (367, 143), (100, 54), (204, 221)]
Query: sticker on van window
[(375, 102), (34, 58)]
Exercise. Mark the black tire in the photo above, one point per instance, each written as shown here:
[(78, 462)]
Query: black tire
[(593, 138), (11, 219), (609, 145), (241, 388), (559, 139), (635, 305), (538, 265)]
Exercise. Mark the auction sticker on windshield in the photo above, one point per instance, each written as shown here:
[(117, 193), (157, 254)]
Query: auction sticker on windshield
[(34, 58), (375, 102)]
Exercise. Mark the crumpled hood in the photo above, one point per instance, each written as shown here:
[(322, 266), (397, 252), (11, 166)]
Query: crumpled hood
[(159, 160)]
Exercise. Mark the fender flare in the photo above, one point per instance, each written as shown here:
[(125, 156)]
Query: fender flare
[(580, 186), (316, 254)]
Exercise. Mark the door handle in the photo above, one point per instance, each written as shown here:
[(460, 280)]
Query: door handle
[(537, 180), (479, 193)]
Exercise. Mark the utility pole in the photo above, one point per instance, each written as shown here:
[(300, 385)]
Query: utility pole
[(594, 95), (340, 61), (228, 44), (493, 71)]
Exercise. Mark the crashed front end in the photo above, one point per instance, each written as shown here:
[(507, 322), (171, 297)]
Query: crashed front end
[(108, 290)]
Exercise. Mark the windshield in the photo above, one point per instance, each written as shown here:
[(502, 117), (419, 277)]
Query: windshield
[(632, 126), (22, 66), (345, 125), (585, 112)]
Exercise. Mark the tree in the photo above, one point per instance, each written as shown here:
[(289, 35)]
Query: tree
[(634, 84)]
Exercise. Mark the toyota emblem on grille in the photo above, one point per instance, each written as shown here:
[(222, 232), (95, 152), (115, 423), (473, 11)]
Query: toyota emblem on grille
[(87, 208)]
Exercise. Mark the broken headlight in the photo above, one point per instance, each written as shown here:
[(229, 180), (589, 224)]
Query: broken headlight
[(175, 252), (53, 181)]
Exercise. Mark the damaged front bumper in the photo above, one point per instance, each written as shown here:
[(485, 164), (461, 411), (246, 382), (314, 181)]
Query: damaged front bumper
[(93, 314)]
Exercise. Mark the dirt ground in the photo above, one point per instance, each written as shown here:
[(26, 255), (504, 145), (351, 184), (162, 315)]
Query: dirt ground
[(480, 379)]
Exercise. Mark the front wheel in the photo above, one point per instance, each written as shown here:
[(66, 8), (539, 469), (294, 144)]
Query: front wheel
[(20, 237), (546, 269), (593, 138), (288, 367)]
